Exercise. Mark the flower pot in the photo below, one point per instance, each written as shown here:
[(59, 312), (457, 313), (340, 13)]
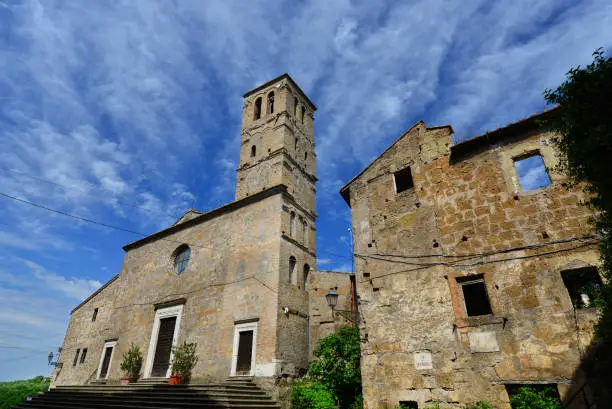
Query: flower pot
[(175, 380), (125, 380)]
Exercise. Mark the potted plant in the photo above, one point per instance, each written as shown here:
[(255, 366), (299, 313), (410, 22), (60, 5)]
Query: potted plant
[(184, 360), (131, 364)]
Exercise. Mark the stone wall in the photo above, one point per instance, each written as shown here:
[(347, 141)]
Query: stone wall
[(465, 210), (322, 323)]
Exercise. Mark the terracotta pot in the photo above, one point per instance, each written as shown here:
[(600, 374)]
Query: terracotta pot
[(125, 380), (175, 380)]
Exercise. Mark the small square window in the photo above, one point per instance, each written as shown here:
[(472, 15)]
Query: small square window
[(475, 295), (408, 404), (583, 286), (83, 356), (532, 172), (403, 179), (76, 357), (95, 315)]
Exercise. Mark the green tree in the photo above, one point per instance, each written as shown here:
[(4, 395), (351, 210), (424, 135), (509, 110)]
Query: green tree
[(312, 395), (338, 365), (12, 393), (583, 127), (529, 398)]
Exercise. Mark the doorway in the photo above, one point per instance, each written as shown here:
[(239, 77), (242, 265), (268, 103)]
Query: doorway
[(243, 356), (163, 337), (105, 360)]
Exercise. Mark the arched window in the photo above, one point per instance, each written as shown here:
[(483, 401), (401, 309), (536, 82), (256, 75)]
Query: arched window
[(295, 107), (302, 114), (181, 260), (305, 233), (257, 113), (253, 150), (306, 272), (295, 146), (271, 102), (292, 224), (305, 155), (291, 269)]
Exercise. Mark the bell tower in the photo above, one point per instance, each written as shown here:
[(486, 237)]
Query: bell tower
[(277, 142)]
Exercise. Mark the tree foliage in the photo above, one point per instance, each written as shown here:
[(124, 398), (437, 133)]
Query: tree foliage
[(312, 395), (12, 393), (583, 125), (529, 398), (338, 364)]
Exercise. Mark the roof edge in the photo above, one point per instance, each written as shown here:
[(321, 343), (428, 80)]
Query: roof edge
[(280, 77), (98, 291), (229, 207), (345, 190)]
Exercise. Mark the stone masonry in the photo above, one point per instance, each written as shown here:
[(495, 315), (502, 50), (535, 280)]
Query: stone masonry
[(248, 264), (461, 223)]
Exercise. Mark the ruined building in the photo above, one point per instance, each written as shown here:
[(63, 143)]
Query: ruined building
[(236, 280), (474, 268)]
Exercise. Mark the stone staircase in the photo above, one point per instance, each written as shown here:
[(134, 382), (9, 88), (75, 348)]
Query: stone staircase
[(152, 394)]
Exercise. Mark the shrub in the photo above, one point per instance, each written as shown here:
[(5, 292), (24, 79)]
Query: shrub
[(312, 395), (184, 359), (529, 398), (132, 362), (12, 393), (338, 365), (358, 403), (480, 405)]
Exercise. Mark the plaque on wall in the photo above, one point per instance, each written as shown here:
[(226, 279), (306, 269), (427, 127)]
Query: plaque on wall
[(422, 360)]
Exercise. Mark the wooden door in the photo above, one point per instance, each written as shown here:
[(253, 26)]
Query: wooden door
[(245, 351), (161, 361), (108, 352)]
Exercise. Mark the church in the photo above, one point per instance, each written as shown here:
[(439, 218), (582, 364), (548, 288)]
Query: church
[(239, 280)]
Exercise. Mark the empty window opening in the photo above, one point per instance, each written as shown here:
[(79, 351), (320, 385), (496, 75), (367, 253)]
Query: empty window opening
[(292, 224), (305, 233), (183, 254), (532, 172), (253, 150), (295, 107), (584, 287), (83, 356), (95, 315), (305, 155), (475, 295), (302, 114), (76, 357), (366, 275), (403, 179), (408, 404), (291, 269), (295, 146), (257, 113), (306, 273), (271, 102), (519, 394)]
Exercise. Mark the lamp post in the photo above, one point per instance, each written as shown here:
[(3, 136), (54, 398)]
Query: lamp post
[(332, 301)]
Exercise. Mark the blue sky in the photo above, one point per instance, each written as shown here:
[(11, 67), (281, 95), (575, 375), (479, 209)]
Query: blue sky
[(128, 112)]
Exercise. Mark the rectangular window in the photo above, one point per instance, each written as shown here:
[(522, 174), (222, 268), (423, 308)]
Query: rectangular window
[(95, 315), (83, 356), (475, 295), (403, 179), (583, 286), (76, 358), (408, 404), (532, 172)]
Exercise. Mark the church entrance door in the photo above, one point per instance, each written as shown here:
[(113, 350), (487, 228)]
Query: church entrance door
[(245, 344), (164, 336), (245, 351), (161, 361)]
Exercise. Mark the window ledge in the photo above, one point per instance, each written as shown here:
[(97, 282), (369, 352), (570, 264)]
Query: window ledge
[(480, 320)]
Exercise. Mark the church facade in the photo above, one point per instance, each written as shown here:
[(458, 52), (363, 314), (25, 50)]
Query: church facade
[(234, 280)]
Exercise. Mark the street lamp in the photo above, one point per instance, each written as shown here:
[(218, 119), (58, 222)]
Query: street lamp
[(332, 298)]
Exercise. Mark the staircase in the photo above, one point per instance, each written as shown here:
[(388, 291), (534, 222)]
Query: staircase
[(233, 393)]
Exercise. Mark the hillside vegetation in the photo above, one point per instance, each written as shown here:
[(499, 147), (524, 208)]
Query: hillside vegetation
[(11, 393)]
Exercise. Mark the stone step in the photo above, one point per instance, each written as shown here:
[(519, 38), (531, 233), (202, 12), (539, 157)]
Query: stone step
[(240, 394)]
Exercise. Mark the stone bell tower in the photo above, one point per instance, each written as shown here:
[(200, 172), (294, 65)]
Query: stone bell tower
[(277, 142)]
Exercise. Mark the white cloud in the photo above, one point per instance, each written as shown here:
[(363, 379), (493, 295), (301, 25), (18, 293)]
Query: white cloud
[(77, 288)]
